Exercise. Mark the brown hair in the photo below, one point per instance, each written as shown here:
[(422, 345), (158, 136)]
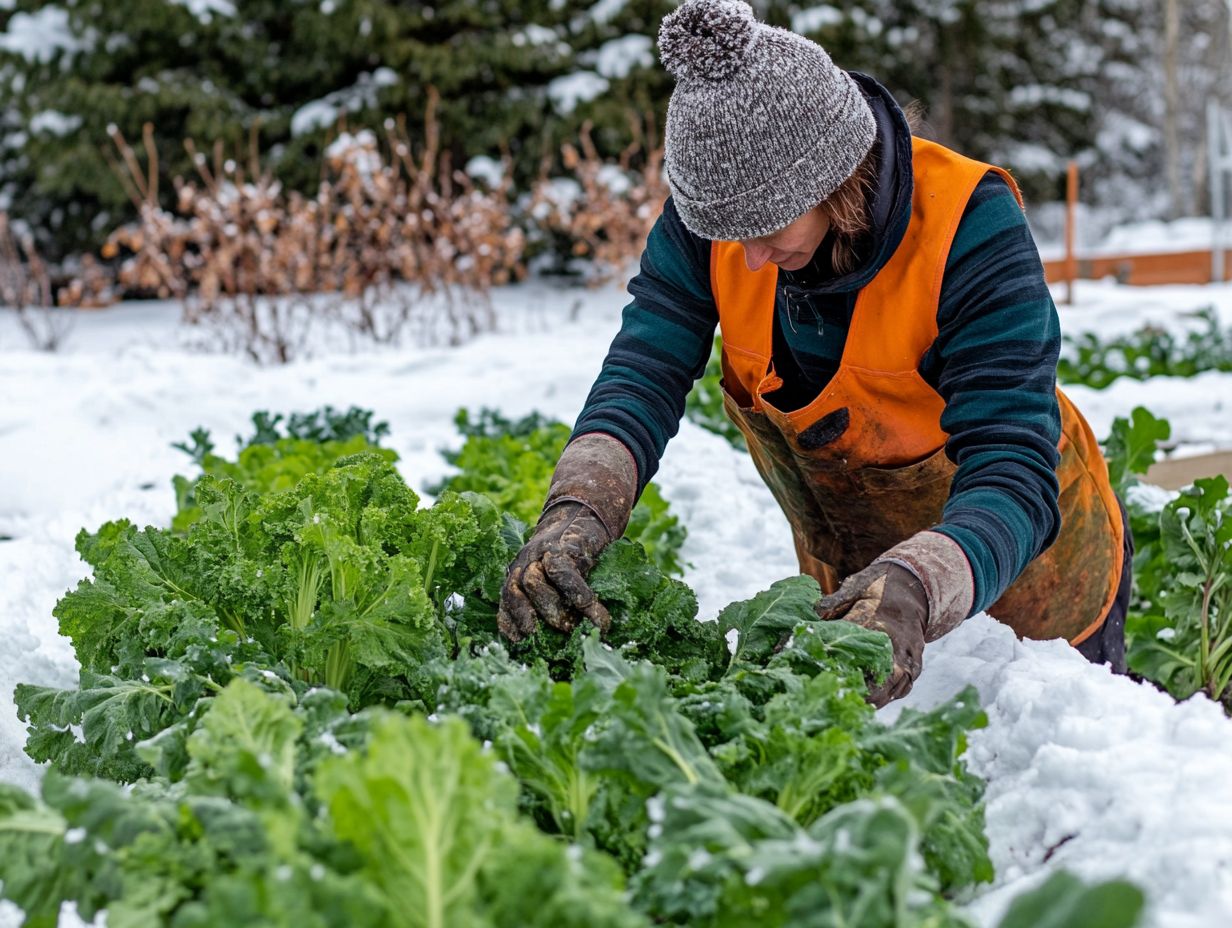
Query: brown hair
[(847, 207)]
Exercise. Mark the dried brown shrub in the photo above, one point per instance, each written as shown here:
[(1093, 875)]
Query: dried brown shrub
[(397, 243), (615, 206), (25, 287)]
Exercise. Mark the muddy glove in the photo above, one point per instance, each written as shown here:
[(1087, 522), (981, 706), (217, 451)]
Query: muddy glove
[(915, 592), (588, 506)]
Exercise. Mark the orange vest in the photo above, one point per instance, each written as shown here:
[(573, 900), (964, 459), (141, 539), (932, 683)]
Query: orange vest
[(885, 476)]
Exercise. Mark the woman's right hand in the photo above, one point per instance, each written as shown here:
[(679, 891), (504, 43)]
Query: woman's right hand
[(547, 580), (593, 490)]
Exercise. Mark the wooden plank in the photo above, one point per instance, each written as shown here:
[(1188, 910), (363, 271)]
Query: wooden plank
[(1179, 472), (1180, 267)]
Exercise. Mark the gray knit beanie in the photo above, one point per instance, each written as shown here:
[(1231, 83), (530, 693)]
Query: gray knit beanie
[(762, 125)]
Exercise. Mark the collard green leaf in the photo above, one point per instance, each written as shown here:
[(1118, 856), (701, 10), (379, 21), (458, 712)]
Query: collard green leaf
[(923, 770), (837, 647), (245, 747), (157, 856), (32, 873), (802, 754), (424, 806), (1130, 446), (705, 841), (534, 882), (734, 860), (643, 736), (435, 824), (547, 729), (766, 621), (113, 714), (932, 740), (1064, 901)]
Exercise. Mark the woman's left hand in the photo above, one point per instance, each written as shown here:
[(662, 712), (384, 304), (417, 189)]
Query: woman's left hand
[(887, 598), (919, 590)]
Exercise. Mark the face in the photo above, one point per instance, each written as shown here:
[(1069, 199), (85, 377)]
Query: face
[(791, 247)]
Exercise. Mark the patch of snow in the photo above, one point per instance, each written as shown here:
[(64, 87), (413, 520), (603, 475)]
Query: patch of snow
[(1191, 233), (1102, 776), (1032, 95), (359, 150), (1119, 130), (560, 192), (535, 34), (323, 113), (206, 10), (54, 122), (41, 35), (1029, 157), (615, 59), (816, 17), (486, 169), (567, 91), (603, 12), (1149, 498), (614, 179)]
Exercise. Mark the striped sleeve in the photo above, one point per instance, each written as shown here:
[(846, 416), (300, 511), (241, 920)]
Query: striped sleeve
[(663, 345), (995, 363)]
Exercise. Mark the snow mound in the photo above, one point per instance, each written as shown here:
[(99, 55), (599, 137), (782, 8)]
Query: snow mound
[(1092, 773)]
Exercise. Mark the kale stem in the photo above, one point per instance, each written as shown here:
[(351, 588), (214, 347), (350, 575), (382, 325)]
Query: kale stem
[(1204, 653), (436, 545), (689, 773)]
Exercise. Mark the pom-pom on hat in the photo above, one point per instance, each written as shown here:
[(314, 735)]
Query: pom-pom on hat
[(761, 127)]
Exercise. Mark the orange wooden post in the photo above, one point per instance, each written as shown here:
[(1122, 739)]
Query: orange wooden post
[(1071, 204)]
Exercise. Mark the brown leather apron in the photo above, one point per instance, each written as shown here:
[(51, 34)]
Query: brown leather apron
[(863, 466)]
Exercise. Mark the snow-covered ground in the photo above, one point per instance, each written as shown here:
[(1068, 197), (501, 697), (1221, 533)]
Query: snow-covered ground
[(1085, 771)]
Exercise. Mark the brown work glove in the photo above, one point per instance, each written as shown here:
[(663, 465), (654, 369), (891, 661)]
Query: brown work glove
[(588, 506), (915, 592)]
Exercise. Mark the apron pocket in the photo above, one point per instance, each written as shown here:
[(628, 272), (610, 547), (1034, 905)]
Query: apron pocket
[(934, 469)]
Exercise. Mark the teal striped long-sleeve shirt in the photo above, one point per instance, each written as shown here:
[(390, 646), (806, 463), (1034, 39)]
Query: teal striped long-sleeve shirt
[(993, 362)]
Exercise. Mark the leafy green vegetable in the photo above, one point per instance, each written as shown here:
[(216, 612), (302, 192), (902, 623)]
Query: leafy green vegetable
[(922, 768), (734, 860), (653, 617), (1130, 447), (434, 823), (325, 729), (271, 461), (764, 623), (644, 736), (153, 856), (1179, 628), (1196, 539), (245, 747), (802, 753), (31, 835), (114, 715), (1064, 901), (1149, 352), (511, 462), (340, 581)]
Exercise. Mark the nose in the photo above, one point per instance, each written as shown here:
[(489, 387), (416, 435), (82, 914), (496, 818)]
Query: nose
[(755, 256)]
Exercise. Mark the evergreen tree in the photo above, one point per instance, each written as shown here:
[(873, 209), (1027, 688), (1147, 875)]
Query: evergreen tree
[(285, 69), (1023, 83)]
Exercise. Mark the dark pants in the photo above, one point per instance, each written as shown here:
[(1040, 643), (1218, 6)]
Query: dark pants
[(1107, 645)]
